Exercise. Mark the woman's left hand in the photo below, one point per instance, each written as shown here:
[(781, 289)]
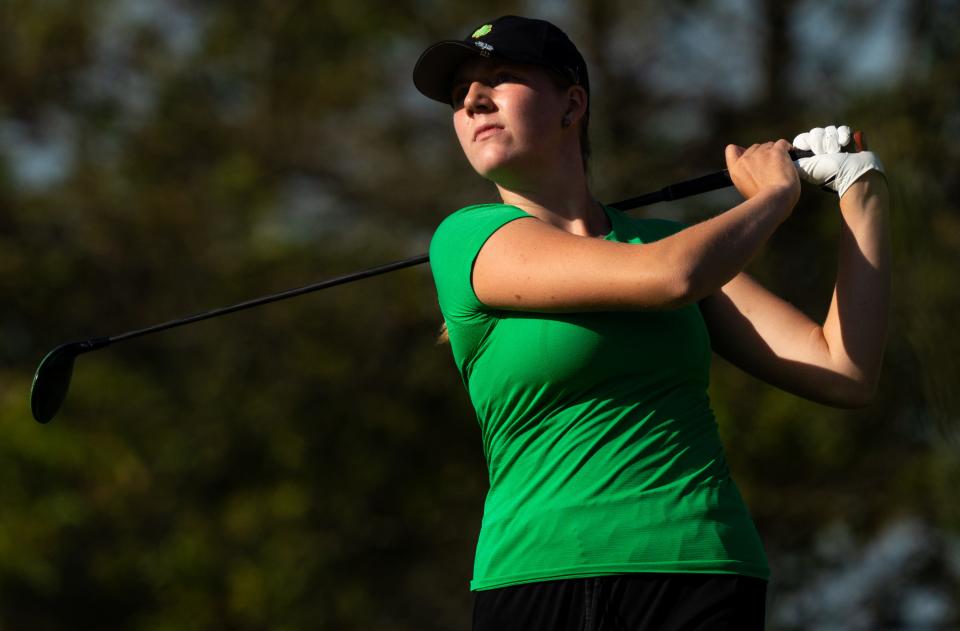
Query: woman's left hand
[(831, 167)]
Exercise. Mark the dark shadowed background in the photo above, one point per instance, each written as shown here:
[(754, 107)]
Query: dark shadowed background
[(315, 463)]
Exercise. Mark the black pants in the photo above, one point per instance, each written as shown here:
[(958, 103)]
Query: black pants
[(626, 602)]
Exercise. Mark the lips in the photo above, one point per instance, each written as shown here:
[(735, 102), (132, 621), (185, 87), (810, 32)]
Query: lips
[(484, 131)]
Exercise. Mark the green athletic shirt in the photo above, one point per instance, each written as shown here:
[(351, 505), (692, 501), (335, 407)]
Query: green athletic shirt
[(603, 453)]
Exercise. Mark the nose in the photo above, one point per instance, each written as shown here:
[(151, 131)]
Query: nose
[(477, 98)]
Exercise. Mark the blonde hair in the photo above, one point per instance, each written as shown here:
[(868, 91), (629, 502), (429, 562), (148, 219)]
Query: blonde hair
[(444, 336)]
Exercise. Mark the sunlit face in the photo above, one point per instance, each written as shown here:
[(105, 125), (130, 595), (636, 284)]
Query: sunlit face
[(507, 117)]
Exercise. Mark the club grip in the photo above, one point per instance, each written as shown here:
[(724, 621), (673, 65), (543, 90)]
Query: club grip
[(859, 140)]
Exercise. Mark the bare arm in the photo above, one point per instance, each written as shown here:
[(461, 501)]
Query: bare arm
[(530, 265), (837, 362)]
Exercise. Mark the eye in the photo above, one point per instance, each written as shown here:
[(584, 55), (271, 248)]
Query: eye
[(505, 77), (457, 95)]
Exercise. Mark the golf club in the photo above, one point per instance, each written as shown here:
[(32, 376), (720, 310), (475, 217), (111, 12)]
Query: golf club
[(52, 378)]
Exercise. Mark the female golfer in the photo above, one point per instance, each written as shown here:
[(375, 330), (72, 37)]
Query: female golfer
[(584, 338)]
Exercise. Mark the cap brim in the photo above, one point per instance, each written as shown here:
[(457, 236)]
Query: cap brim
[(433, 74)]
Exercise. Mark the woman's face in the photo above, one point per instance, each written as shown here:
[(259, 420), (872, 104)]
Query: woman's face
[(507, 117)]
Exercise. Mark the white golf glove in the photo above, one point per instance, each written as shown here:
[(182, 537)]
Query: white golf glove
[(829, 167)]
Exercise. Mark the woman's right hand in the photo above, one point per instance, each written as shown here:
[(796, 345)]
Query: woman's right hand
[(763, 168)]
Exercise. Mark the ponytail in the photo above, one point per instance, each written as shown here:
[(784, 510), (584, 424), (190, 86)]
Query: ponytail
[(444, 335)]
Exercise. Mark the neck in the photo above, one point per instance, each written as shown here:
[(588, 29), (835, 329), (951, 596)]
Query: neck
[(563, 202)]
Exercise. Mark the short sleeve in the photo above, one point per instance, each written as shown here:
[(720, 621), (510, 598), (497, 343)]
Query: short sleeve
[(628, 229), (661, 228), (453, 250)]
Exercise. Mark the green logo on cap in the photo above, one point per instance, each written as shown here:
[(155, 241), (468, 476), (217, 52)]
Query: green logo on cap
[(483, 30)]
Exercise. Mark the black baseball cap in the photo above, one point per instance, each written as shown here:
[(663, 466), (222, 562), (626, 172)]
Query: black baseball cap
[(512, 38)]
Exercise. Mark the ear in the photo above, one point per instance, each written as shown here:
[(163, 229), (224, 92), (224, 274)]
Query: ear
[(577, 100)]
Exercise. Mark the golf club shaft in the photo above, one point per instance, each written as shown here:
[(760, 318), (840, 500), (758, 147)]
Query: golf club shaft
[(687, 188), (290, 293), (679, 190)]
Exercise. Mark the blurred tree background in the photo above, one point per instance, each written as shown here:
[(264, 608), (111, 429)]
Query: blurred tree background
[(315, 463)]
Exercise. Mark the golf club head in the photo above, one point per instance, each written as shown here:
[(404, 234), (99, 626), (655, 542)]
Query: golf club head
[(52, 379)]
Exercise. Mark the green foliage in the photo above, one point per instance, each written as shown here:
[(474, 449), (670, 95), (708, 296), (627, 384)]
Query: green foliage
[(315, 463)]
